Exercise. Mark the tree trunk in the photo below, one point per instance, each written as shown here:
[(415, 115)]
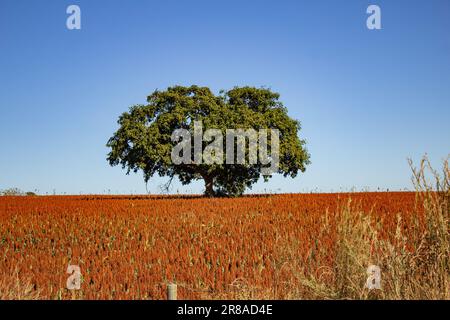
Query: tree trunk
[(209, 181)]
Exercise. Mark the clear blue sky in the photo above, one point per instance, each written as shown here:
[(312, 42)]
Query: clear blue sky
[(367, 100)]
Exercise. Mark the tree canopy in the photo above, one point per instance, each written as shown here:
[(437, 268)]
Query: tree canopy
[(144, 140)]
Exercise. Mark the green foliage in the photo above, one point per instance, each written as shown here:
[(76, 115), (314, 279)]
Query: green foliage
[(143, 140)]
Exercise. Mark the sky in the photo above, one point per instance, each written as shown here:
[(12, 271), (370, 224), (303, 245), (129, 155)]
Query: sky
[(367, 99)]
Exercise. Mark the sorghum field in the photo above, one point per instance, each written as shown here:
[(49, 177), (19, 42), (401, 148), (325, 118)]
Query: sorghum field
[(292, 246)]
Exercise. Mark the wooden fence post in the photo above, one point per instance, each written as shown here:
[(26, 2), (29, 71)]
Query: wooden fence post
[(172, 291)]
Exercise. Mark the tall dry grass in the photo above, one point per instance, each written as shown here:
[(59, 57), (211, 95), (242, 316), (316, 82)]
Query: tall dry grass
[(13, 287), (414, 262)]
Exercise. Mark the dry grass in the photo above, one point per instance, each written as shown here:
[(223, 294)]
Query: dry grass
[(414, 265), (12, 287)]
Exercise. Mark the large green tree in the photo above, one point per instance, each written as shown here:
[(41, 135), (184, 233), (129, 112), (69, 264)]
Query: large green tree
[(144, 138)]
